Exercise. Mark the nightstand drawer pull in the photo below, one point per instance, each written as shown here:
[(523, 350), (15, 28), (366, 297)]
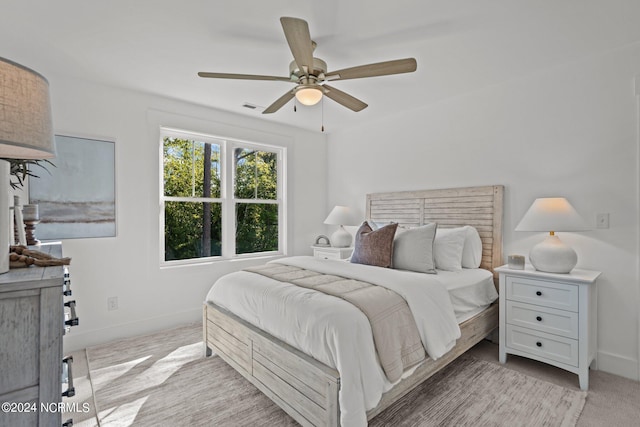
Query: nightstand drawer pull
[(539, 293), (539, 319), (539, 344)]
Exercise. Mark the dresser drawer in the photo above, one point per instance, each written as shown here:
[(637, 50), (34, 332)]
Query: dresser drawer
[(540, 292), (553, 347), (545, 319)]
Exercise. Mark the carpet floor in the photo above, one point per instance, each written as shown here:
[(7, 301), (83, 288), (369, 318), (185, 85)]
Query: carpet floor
[(162, 379)]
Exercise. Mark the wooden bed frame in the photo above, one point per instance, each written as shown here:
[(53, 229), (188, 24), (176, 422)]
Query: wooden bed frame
[(307, 389)]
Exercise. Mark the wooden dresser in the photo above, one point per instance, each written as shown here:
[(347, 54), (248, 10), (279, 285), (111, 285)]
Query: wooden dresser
[(32, 323)]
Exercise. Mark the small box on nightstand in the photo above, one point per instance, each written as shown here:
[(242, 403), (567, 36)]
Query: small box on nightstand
[(516, 262)]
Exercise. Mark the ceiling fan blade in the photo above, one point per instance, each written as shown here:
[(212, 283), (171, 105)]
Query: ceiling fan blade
[(297, 33), (386, 68), (243, 76), (280, 102), (344, 99)]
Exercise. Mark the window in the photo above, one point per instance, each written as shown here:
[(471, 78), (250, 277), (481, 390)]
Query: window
[(220, 197)]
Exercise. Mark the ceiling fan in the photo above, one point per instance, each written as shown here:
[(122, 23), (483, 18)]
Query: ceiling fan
[(310, 74)]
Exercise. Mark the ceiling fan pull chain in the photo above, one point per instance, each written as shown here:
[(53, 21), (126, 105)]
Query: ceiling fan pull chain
[(295, 102), (322, 107)]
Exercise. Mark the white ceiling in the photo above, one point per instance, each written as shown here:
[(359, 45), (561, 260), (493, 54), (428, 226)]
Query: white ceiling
[(158, 46)]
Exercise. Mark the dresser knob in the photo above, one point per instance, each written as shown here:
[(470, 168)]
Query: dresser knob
[(539, 293), (539, 344), (539, 319)]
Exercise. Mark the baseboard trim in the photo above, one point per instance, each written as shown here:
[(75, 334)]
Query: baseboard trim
[(77, 341), (618, 365)]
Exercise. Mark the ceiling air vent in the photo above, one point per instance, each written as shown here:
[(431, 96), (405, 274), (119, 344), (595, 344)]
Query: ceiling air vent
[(249, 106)]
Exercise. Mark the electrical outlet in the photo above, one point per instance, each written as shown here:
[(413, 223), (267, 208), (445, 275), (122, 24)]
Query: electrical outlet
[(112, 303), (602, 220)]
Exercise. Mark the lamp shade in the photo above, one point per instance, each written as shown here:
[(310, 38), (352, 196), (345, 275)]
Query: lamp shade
[(551, 214), (26, 129), (26, 132), (341, 215)]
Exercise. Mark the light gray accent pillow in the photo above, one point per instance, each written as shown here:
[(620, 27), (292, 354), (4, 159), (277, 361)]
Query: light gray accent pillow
[(374, 247), (448, 246), (413, 249)]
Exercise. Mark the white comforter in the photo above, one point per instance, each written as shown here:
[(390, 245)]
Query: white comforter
[(335, 332)]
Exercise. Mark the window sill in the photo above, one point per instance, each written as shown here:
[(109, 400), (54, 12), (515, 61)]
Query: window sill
[(216, 260)]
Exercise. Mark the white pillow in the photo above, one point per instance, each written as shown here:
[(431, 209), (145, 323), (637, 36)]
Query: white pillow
[(377, 225), (413, 249), (472, 250), (448, 246)]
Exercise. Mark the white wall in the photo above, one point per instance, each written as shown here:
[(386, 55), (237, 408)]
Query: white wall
[(568, 131), (128, 266)]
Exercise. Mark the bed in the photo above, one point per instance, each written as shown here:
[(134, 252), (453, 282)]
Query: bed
[(308, 388)]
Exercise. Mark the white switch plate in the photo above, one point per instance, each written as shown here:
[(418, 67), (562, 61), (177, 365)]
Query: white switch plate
[(602, 220)]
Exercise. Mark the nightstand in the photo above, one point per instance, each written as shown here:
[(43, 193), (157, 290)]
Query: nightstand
[(329, 252), (549, 317)]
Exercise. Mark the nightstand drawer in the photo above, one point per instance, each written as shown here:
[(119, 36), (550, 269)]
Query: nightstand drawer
[(330, 252), (550, 320), (326, 254), (540, 292), (559, 349)]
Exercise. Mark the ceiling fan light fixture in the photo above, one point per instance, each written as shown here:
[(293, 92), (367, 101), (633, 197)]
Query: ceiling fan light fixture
[(309, 95)]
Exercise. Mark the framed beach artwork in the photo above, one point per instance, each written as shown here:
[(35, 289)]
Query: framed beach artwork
[(77, 198)]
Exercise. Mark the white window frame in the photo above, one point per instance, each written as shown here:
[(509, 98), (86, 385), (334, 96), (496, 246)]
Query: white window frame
[(227, 197)]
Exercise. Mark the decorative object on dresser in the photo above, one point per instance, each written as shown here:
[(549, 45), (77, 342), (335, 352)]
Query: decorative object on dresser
[(18, 220), (328, 252), (31, 217), (341, 215), (32, 322), (26, 132), (552, 214), (21, 256), (550, 317)]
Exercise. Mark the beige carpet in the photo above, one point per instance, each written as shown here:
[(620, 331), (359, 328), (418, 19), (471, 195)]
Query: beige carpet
[(163, 380)]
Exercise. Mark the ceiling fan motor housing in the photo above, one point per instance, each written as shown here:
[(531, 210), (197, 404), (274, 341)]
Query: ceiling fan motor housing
[(319, 69)]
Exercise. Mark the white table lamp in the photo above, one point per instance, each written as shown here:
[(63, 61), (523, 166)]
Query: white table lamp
[(552, 214), (341, 215), (26, 132)]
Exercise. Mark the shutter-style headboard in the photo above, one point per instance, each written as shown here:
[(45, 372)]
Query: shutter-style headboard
[(480, 207)]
